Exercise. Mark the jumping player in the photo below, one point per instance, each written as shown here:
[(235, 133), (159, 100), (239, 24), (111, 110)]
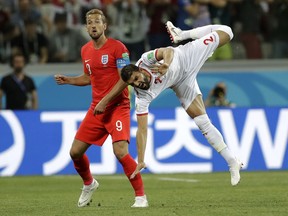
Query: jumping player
[(177, 68), (103, 59)]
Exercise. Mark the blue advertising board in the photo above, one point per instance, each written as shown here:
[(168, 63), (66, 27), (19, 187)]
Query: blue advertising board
[(249, 89), (38, 142)]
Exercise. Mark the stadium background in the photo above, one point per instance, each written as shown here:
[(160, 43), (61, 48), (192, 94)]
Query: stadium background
[(37, 142)]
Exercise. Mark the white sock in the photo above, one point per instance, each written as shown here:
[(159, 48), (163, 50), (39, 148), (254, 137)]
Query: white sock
[(204, 30), (210, 132), (228, 156)]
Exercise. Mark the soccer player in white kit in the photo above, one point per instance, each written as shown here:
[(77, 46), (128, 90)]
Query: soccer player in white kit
[(176, 68)]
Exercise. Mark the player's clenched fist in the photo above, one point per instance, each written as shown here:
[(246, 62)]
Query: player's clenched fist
[(60, 79)]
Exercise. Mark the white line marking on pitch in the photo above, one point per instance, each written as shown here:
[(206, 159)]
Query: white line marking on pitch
[(178, 179)]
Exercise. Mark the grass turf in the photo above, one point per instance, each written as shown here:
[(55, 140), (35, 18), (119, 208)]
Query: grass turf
[(259, 193)]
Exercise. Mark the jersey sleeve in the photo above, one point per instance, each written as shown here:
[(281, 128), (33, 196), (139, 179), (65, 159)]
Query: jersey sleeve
[(121, 55), (149, 58), (86, 67)]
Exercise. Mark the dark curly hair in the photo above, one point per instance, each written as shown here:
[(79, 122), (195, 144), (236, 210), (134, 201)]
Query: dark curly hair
[(127, 71)]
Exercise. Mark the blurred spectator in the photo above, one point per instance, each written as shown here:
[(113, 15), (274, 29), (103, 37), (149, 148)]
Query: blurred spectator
[(32, 43), (192, 14), (19, 89), (131, 16), (250, 14), (220, 14), (159, 12), (65, 43), (280, 30), (218, 96), (85, 6), (71, 8), (25, 10), (47, 10), (9, 5), (4, 16), (9, 32)]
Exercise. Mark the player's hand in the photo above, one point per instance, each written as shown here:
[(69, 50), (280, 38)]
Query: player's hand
[(61, 79), (160, 68), (99, 108), (139, 168)]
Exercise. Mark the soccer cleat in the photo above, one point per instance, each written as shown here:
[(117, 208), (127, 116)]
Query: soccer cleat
[(235, 172), (87, 192), (174, 32), (140, 202)]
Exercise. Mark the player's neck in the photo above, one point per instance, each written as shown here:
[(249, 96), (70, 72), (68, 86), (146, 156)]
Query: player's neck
[(99, 42), (19, 75)]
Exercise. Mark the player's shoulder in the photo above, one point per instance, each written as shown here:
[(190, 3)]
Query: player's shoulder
[(87, 45), (27, 77), (115, 43), (7, 76)]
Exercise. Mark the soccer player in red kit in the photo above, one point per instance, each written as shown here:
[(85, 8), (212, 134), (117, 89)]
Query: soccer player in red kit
[(103, 59)]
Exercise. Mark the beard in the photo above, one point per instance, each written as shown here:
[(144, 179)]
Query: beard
[(94, 36), (145, 85), (18, 70)]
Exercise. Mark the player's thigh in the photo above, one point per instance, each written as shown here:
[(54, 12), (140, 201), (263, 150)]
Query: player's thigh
[(187, 91), (118, 124), (92, 129), (194, 54), (197, 107)]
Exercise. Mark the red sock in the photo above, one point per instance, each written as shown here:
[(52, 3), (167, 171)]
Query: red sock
[(129, 165), (82, 166)]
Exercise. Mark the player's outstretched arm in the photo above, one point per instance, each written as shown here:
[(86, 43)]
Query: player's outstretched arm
[(115, 91), (81, 80), (141, 139)]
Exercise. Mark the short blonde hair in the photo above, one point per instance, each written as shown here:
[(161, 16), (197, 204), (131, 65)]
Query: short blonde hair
[(96, 11)]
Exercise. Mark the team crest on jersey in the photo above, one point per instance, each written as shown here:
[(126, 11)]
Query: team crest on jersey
[(104, 59)]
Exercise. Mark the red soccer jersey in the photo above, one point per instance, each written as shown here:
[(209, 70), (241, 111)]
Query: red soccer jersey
[(101, 65)]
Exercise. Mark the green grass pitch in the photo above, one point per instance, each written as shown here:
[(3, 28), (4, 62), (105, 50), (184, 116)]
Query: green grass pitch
[(259, 193)]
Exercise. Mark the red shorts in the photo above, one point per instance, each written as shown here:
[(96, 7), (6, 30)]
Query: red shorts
[(115, 121)]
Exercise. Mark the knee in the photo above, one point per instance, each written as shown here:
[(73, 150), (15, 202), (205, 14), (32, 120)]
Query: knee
[(78, 149), (74, 154), (120, 149)]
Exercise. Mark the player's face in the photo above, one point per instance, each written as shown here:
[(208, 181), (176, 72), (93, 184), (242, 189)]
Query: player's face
[(139, 80), (95, 26)]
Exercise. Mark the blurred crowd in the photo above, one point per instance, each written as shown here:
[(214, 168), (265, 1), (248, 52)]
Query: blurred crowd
[(54, 30)]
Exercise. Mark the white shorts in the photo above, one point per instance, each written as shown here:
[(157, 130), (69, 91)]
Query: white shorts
[(190, 59), (187, 92)]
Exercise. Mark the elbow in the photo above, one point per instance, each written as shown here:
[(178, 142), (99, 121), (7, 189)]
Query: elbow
[(227, 30), (230, 33)]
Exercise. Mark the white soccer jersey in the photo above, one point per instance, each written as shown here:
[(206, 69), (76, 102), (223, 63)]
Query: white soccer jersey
[(181, 75)]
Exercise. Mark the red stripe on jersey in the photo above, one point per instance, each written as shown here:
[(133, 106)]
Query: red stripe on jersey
[(156, 55), (141, 114)]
